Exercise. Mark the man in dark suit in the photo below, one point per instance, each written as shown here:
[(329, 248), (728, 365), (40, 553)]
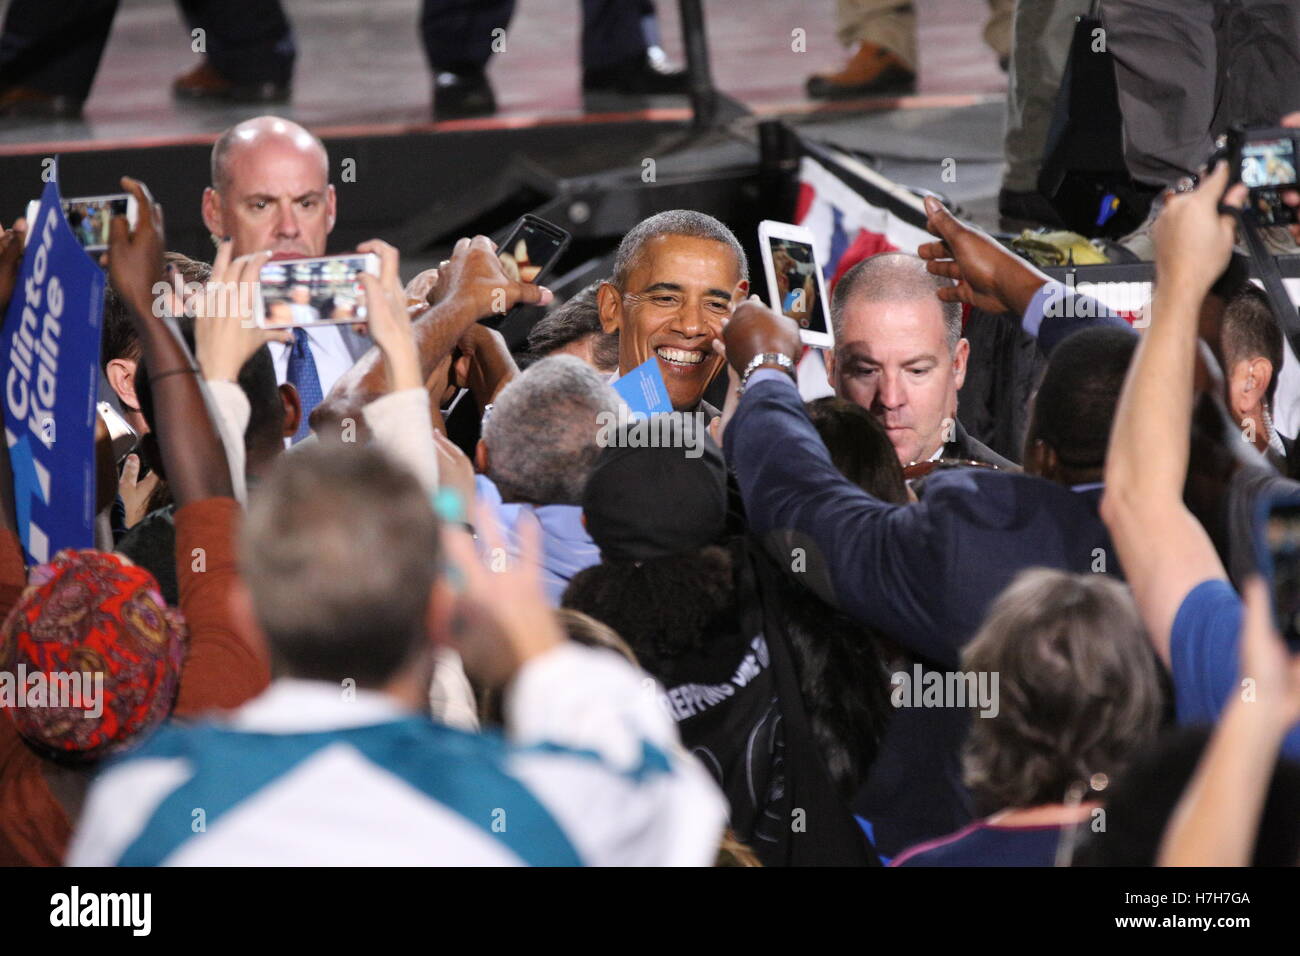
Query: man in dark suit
[(618, 37), (899, 353), (925, 573)]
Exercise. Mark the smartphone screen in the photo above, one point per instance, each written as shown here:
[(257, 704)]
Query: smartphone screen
[(531, 248), (1282, 537), (315, 291), (795, 268), (1268, 163), (90, 218)]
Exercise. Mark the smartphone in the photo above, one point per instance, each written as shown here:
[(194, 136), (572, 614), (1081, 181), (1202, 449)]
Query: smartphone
[(532, 248), (1278, 555), (795, 286), (89, 217), (1266, 161), (324, 291), (121, 435)]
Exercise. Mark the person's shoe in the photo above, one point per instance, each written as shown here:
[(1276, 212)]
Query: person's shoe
[(643, 75), (1026, 210), (872, 70), (25, 103), (205, 84), (462, 95)]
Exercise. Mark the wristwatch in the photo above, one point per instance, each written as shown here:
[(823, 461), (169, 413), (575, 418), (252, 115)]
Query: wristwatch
[(761, 359)]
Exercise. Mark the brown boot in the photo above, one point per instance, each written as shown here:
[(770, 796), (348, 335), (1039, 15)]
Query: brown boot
[(871, 70), (25, 103), (205, 83)]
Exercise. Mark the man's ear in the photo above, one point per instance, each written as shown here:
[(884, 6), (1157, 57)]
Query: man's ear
[(610, 303), (833, 371), (481, 457), (1260, 374), (741, 292), (959, 359), (331, 208), (213, 220), (121, 379), (292, 409)]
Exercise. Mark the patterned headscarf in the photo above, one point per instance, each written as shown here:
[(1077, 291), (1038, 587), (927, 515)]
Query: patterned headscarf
[(90, 613)]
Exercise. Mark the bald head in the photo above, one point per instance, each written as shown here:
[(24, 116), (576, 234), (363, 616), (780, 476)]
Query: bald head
[(263, 132), (894, 277), (270, 188)]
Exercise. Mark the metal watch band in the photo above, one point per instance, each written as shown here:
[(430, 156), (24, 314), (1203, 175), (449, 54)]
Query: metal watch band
[(764, 358)]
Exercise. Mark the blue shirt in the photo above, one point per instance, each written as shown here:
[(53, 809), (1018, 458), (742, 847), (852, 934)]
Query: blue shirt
[(566, 546), (984, 844), (1204, 654)]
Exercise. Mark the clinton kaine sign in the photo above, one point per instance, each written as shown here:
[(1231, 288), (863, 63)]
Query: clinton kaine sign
[(50, 343)]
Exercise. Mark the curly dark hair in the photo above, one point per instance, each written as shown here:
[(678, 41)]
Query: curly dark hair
[(670, 607)]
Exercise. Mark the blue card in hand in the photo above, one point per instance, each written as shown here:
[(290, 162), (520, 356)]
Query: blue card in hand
[(643, 390)]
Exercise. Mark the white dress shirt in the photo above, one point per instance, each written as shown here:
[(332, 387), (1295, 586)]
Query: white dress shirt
[(327, 348)]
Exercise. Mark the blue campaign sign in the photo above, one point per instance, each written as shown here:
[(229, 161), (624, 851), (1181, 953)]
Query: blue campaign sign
[(51, 343)]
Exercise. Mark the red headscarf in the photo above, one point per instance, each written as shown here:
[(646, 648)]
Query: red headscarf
[(90, 612)]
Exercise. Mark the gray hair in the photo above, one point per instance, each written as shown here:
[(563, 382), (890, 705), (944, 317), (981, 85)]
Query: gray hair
[(674, 222), (894, 277), (541, 435)]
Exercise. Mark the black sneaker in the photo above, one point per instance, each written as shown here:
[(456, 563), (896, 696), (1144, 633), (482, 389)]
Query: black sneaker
[(462, 95), (639, 76)]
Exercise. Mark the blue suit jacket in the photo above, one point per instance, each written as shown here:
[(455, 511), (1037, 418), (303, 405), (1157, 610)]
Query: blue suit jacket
[(923, 574)]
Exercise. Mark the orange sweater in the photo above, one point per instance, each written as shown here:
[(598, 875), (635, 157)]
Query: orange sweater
[(223, 669)]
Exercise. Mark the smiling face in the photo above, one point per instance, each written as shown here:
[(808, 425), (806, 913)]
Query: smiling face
[(893, 359), (679, 293), (274, 194)]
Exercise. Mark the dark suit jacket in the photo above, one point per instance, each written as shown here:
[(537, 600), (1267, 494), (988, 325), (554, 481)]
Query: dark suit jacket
[(964, 446), (923, 574)]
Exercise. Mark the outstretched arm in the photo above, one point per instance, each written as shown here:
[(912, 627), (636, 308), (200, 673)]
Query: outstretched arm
[(1163, 549), (994, 279), (192, 453)]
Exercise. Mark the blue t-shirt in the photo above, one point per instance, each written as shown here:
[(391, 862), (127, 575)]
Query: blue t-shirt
[(1204, 653), (984, 844)]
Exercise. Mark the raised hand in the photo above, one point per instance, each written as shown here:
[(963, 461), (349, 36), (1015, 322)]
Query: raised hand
[(226, 333), (753, 329), (389, 318), (1193, 238), (474, 281), (505, 597), (135, 258), (988, 276)]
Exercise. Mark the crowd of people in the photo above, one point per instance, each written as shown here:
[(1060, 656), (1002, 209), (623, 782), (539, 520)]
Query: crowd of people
[(840, 632)]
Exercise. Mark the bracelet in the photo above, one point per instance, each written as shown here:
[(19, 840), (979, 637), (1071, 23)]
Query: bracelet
[(765, 358), (175, 371)]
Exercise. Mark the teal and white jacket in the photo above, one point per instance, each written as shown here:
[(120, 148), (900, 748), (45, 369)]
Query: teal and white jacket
[(312, 774)]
